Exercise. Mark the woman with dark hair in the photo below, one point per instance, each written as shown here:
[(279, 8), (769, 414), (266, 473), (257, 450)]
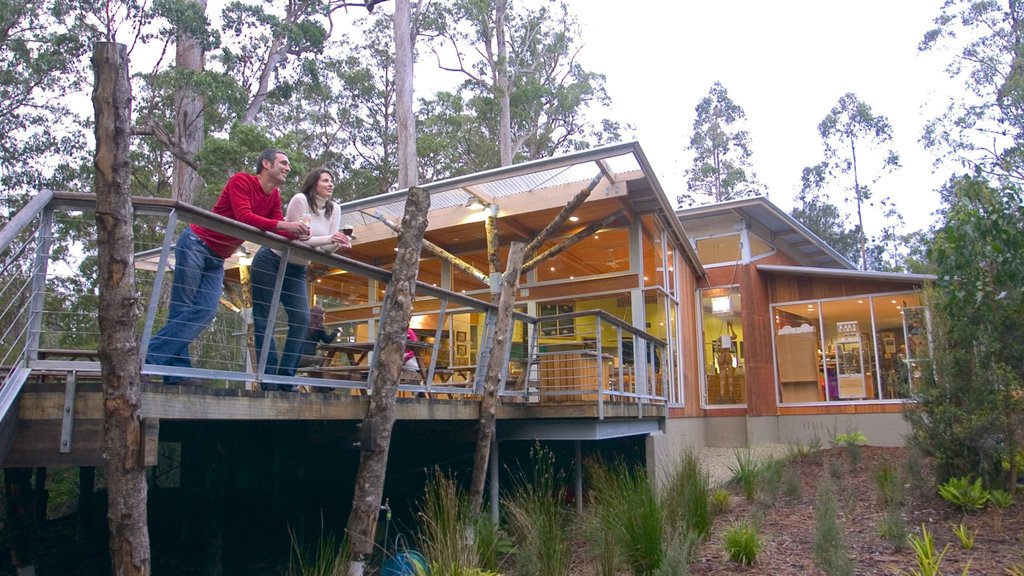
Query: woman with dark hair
[(312, 205)]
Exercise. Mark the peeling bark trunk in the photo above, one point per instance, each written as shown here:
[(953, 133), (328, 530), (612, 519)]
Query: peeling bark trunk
[(495, 365), (387, 367), (503, 85), (120, 360), (189, 125), (407, 171)]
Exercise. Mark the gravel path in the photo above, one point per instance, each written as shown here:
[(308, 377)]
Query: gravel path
[(718, 461)]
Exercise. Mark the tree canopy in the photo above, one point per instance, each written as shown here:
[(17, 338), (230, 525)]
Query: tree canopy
[(722, 151)]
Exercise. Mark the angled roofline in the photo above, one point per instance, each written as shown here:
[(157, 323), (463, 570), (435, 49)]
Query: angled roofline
[(596, 154), (739, 206), (854, 274)]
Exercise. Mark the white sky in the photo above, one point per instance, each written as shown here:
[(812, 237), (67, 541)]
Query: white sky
[(786, 63)]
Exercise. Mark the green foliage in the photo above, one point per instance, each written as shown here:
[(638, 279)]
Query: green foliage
[(985, 47), (685, 500), (856, 144), (746, 472), (720, 501), (961, 491), (326, 557), (927, 560), (624, 514), (445, 519), (890, 486), (42, 61), (742, 544), (964, 534), (970, 414), (829, 542), (536, 518), (1000, 498), (549, 92), (721, 168), (893, 527)]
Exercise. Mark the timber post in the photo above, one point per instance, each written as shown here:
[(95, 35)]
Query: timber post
[(496, 362), (120, 361), (387, 366)]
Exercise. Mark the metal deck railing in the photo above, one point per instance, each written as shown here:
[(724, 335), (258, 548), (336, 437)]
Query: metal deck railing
[(49, 299)]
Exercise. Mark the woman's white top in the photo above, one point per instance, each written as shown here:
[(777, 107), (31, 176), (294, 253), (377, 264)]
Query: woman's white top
[(321, 226)]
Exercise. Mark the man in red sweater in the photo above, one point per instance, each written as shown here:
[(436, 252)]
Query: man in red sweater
[(200, 253)]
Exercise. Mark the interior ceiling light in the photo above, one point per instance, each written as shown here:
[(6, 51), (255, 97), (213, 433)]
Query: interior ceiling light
[(574, 218)]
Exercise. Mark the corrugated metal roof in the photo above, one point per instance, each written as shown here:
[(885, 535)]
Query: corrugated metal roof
[(582, 166)]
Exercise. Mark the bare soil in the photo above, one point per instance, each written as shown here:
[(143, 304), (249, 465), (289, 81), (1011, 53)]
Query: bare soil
[(788, 524)]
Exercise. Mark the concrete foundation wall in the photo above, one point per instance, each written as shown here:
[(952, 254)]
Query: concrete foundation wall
[(725, 432), (680, 435), (880, 429)]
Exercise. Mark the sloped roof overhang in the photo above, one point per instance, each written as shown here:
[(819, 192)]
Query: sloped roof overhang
[(626, 176), (916, 279), (778, 228)]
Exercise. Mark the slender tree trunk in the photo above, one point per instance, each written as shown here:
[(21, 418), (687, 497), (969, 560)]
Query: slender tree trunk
[(503, 84), (189, 126), (495, 365), (118, 314), (387, 366), (861, 238), (407, 159)]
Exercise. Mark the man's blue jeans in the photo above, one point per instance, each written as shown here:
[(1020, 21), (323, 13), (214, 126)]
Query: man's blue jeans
[(195, 295), (295, 302)]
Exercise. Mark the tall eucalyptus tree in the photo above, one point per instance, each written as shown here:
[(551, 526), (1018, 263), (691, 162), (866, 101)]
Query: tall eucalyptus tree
[(722, 149), (856, 142)]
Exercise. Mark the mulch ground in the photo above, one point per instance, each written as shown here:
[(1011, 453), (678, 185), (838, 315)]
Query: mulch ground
[(788, 527)]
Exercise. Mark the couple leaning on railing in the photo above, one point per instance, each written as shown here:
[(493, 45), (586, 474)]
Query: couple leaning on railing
[(312, 218)]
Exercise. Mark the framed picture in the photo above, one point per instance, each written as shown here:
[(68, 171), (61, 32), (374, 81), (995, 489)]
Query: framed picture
[(460, 336), (460, 350)]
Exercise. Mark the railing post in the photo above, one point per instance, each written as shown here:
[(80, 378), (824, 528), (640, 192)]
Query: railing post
[(158, 283), (35, 322), (601, 382), (268, 330), (441, 313)]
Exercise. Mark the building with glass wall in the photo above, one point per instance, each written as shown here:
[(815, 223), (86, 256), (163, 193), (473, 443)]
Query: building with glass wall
[(794, 341)]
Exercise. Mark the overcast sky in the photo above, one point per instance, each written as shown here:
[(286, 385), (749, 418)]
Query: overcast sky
[(786, 63)]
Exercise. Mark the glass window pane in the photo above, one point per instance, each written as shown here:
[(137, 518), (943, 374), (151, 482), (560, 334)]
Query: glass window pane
[(798, 353), (722, 336), (719, 249)]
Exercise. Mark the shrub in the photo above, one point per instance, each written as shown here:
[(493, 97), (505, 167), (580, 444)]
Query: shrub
[(746, 472), (960, 491), (685, 501), (829, 543), (444, 520), (742, 544), (1000, 498), (536, 519), (964, 534), (928, 562), (720, 501), (890, 486), (893, 527)]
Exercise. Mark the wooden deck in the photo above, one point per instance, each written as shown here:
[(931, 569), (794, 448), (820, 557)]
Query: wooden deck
[(41, 430)]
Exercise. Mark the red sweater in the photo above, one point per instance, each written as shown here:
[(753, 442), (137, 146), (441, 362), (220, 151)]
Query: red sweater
[(244, 200)]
